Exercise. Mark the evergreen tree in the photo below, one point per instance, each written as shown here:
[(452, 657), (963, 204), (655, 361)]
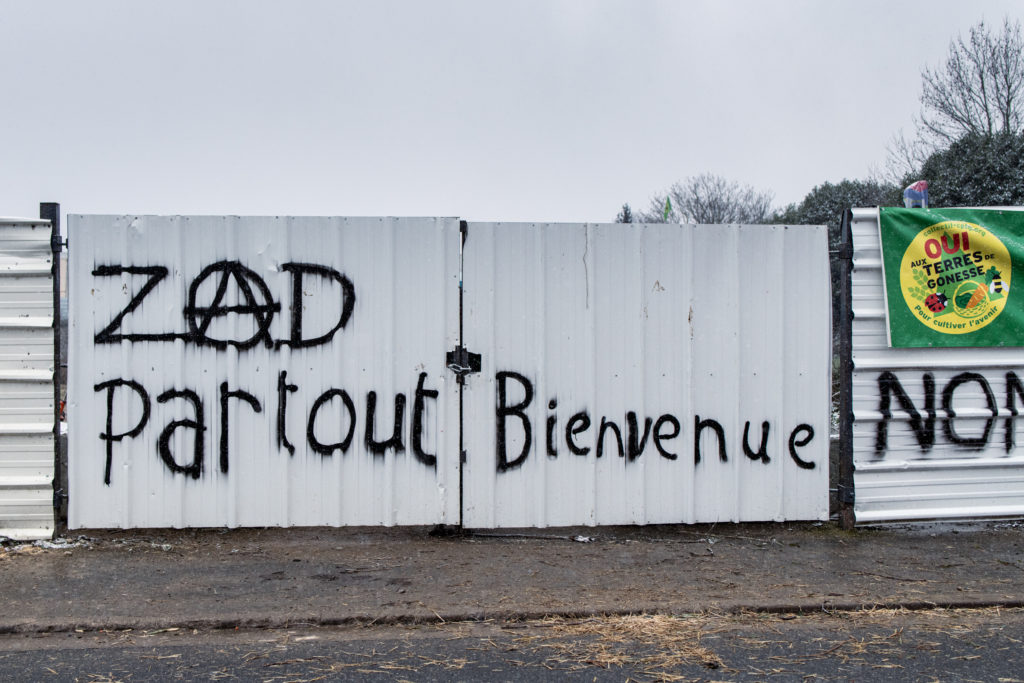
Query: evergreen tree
[(625, 215), (976, 170)]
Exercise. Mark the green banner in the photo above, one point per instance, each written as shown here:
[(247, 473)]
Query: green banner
[(948, 276)]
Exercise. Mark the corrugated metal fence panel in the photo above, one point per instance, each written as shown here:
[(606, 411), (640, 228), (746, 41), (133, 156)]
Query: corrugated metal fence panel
[(896, 477), (221, 320), (668, 324), (26, 379)]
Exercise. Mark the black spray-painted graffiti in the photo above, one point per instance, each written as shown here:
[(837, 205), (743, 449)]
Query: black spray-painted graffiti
[(256, 302), (323, 409), (336, 406), (207, 300), (923, 427), (229, 288), (660, 432)]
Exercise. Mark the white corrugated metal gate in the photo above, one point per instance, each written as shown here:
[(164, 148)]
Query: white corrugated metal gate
[(639, 374), (262, 371), (935, 431), (291, 371), (26, 379)]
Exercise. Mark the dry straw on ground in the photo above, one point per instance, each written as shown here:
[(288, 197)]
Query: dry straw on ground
[(656, 645)]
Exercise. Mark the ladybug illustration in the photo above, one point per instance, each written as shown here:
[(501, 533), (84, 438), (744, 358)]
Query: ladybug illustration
[(936, 302)]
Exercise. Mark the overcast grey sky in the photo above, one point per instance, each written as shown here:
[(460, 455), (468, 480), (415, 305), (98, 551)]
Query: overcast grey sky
[(534, 111)]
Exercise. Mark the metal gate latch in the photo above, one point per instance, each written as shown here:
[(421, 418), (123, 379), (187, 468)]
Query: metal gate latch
[(462, 362)]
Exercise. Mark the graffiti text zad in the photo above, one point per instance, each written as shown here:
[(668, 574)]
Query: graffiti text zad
[(923, 418), (227, 291)]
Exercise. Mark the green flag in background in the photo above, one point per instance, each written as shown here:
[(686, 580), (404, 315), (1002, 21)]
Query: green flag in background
[(948, 276), (668, 208)]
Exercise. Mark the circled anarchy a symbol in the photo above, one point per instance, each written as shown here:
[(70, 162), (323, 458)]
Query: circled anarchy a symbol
[(254, 299)]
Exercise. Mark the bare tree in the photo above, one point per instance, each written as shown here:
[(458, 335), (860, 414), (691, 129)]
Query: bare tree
[(709, 199), (979, 90), (904, 157)]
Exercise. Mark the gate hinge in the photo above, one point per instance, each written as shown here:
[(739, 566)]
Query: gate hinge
[(846, 495), (845, 251), (462, 362)]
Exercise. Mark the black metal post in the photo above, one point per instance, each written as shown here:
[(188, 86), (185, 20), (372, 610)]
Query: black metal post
[(463, 233), (50, 211), (847, 518)]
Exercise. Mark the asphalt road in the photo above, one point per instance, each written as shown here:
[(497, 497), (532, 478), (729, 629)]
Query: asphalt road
[(878, 645), (278, 578)]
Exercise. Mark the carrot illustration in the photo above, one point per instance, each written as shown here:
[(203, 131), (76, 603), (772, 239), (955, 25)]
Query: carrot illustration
[(979, 294)]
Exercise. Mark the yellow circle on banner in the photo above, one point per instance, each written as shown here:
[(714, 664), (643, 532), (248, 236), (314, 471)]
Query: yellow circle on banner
[(955, 277)]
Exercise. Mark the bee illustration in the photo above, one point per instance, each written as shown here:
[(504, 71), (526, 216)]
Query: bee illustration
[(996, 285), (936, 303)]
